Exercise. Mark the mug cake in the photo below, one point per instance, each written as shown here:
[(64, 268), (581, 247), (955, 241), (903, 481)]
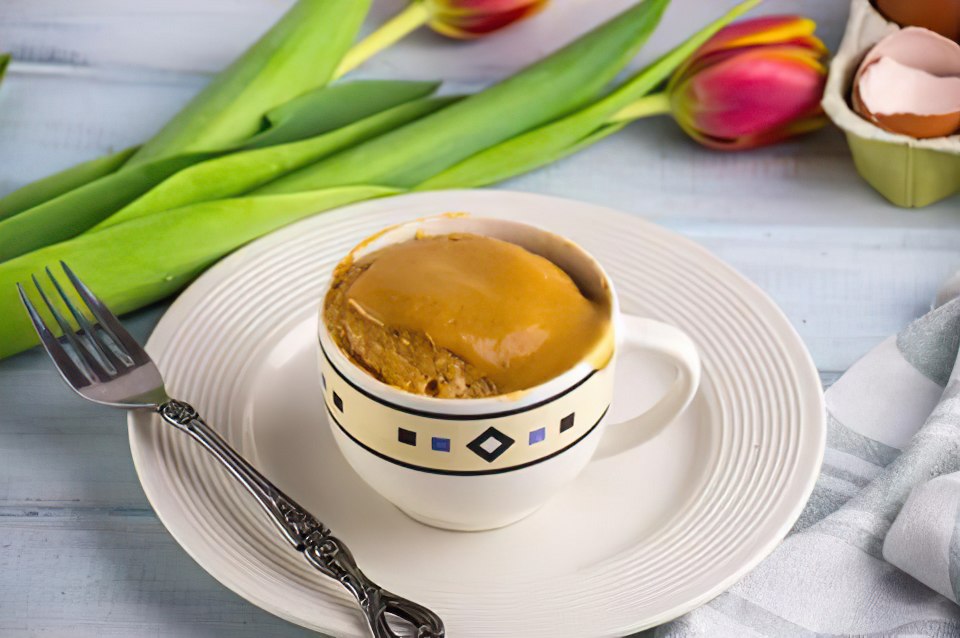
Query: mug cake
[(461, 316)]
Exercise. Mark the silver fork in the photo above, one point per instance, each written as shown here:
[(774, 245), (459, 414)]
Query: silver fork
[(103, 363)]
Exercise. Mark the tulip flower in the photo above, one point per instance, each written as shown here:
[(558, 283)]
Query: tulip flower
[(754, 83), (468, 19), (461, 19)]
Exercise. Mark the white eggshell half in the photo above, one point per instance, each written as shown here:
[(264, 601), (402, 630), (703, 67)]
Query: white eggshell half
[(918, 48), (909, 83), (888, 86)]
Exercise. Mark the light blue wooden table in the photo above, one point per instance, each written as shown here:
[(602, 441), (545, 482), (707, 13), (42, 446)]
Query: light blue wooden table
[(81, 552)]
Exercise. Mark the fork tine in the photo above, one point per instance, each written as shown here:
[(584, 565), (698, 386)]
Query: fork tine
[(89, 359), (108, 321), (69, 370), (104, 350), (65, 327)]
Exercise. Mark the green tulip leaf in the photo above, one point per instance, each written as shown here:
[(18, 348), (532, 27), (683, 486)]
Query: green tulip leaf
[(299, 53), (144, 260), (77, 210), (545, 144), (331, 107), (558, 84), (43, 190), (241, 172)]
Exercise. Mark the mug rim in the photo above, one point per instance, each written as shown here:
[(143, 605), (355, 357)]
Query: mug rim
[(459, 408)]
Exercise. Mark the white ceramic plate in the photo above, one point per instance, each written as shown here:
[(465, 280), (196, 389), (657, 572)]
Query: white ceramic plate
[(639, 539)]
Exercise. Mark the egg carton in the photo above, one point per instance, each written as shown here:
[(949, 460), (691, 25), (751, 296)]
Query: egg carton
[(909, 172)]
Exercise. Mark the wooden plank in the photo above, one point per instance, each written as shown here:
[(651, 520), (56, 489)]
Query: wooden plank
[(58, 451), (89, 573), (180, 35), (81, 553), (189, 35), (51, 120), (652, 169), (99, 75)]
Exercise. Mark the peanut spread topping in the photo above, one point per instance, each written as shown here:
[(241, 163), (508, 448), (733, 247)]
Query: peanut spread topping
[(462, 315)]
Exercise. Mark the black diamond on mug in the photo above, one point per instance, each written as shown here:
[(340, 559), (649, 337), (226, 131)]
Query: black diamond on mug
[(337, 401), (566, 422), (490, 445)]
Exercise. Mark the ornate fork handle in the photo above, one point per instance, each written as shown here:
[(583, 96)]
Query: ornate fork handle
[(306, 534)]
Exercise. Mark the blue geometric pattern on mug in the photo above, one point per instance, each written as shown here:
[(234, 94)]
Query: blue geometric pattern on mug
[(488, 445)]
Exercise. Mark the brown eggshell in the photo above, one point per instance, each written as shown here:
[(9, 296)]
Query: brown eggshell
[(919, 126), (913, 50), (858, 105), (940, 16)]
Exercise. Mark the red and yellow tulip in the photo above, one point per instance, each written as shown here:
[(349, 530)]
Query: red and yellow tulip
[(754, 83), (468, 19), (461, 19)]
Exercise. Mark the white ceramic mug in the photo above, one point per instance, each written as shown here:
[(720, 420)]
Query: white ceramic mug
[(473, 464)]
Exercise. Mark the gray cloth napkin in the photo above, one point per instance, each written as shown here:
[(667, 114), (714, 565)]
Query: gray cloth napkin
[(924, 540), (893, 425)]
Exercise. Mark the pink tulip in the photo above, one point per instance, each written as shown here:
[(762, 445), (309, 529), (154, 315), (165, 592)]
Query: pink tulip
[(467, 19), (754, 83), (461, 19)]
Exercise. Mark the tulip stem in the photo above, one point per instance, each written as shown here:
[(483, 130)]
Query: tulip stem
[(656, 104), (414, 16)]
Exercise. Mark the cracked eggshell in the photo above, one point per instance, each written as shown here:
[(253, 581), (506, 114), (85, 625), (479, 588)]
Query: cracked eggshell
[(909, 83), (909, 172)]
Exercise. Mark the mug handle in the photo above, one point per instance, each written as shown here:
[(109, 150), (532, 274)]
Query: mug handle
[(665, 341)]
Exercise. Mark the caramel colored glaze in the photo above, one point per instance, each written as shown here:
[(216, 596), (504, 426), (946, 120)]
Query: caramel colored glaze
[(460, 316)]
